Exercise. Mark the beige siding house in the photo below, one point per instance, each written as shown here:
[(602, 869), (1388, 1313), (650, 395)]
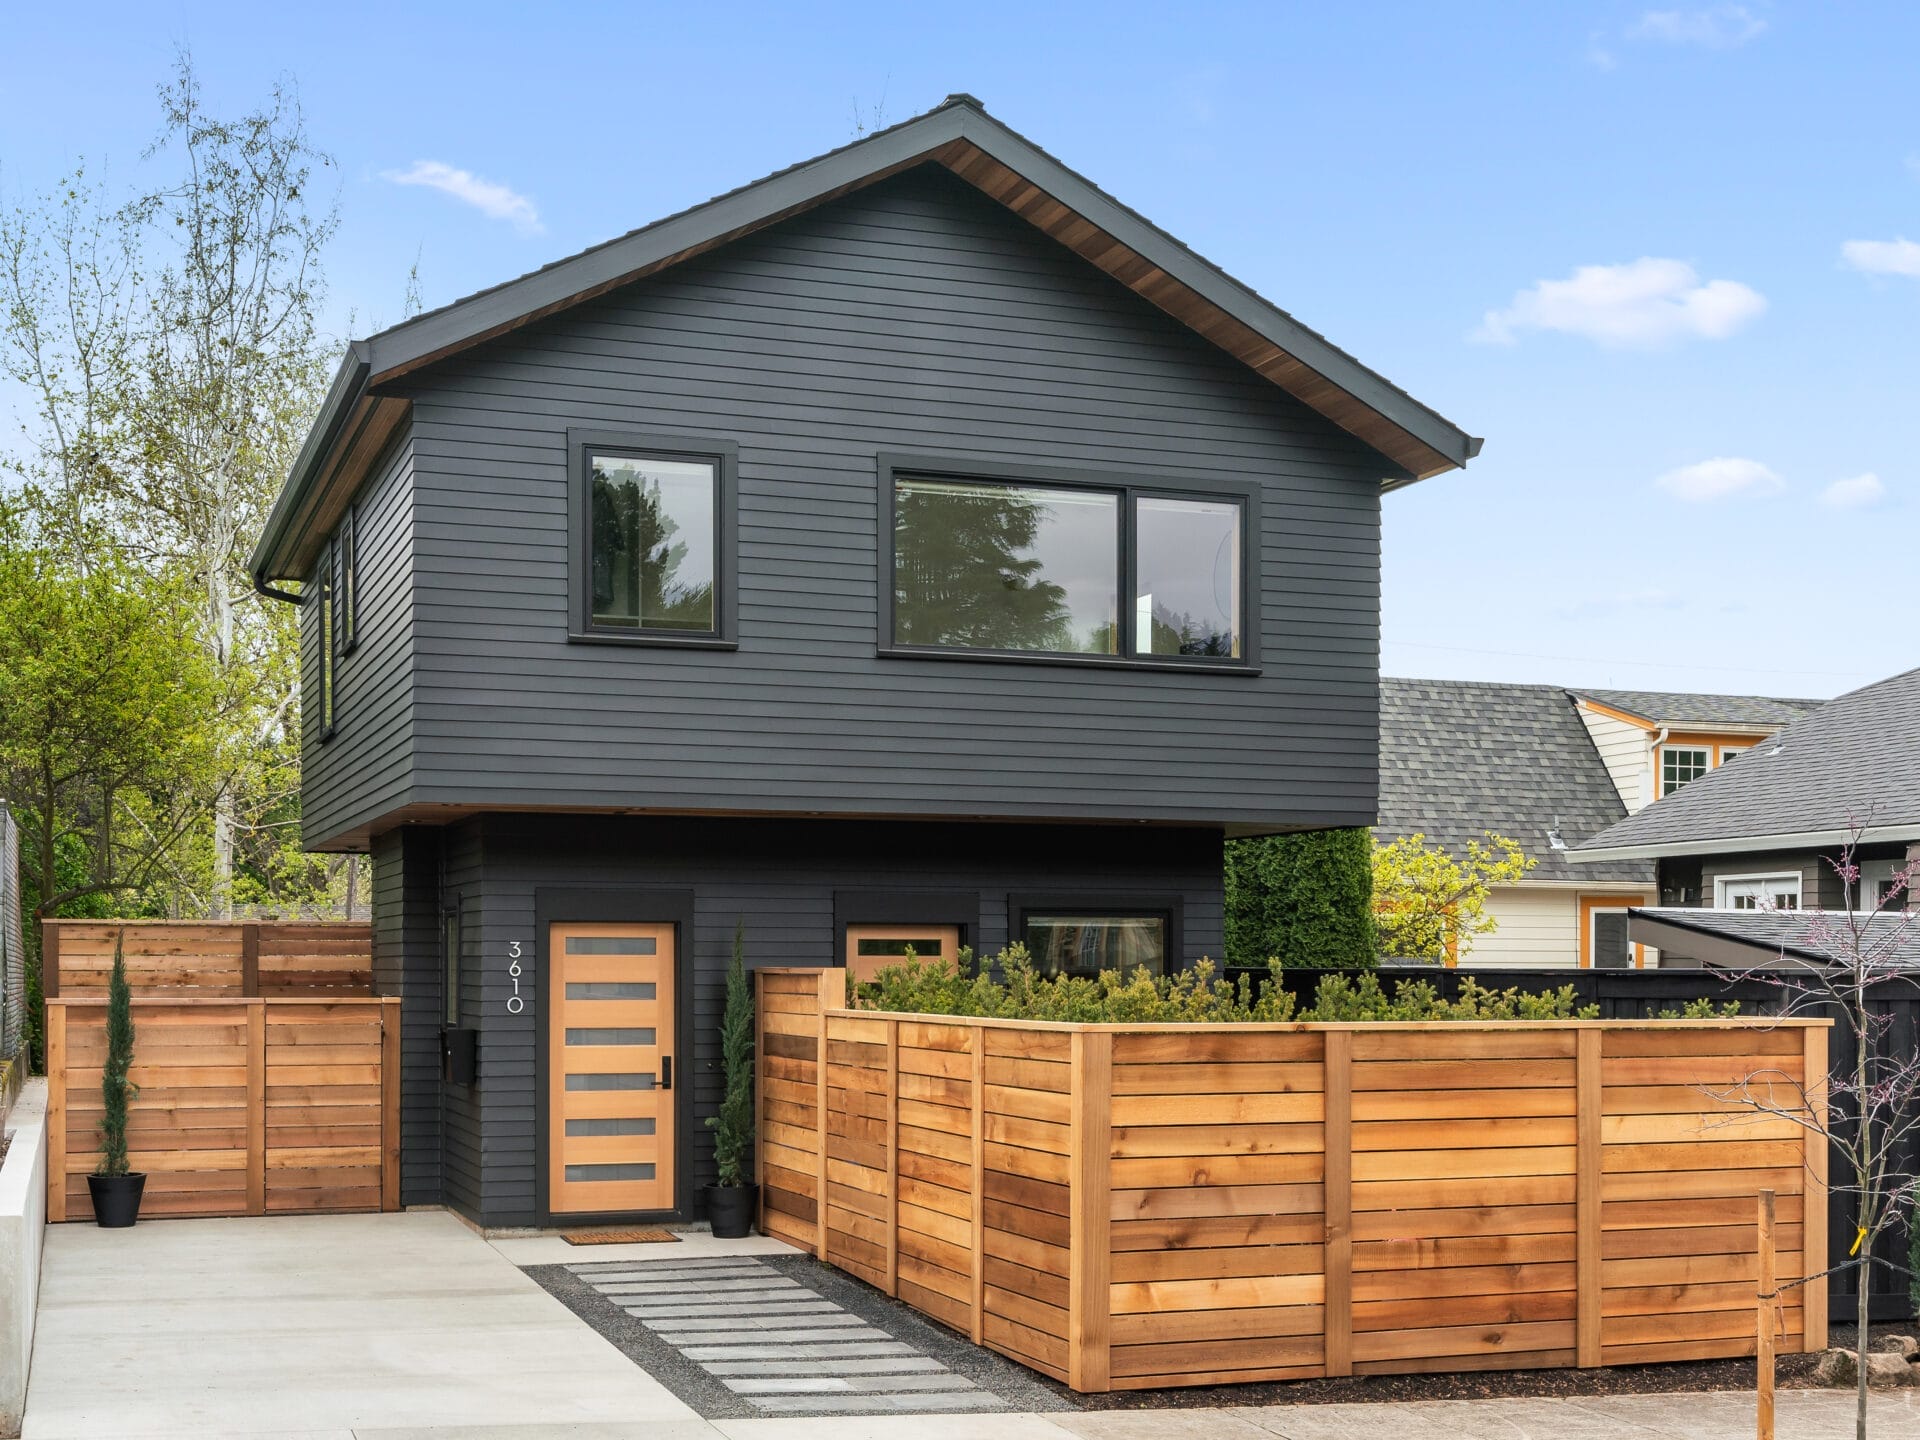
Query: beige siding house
[(1547, 767)]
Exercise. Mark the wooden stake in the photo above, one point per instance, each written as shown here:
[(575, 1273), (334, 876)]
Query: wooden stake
[(1764, 1320)]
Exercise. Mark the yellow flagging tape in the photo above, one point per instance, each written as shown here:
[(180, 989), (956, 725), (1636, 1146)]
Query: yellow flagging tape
[(1858, 1241)]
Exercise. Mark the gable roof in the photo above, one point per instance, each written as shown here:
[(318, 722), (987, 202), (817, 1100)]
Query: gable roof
[(1852, 762), (1683, 711), (356, 419), (1461, 757)]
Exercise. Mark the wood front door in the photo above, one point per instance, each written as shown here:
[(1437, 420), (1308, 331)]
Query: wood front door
[(610, 1049), (871, 948)]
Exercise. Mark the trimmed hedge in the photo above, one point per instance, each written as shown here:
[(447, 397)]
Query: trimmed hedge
[(1304, 900)]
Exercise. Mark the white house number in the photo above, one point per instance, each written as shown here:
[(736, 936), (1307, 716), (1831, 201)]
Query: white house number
[(515, 1002)]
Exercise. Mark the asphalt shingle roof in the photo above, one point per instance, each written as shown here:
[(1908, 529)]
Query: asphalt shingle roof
[(1854, 761), (1889, 938), (1666, 707), (1460, 757)]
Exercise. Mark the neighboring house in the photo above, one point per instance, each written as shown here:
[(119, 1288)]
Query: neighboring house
[(913, 547), (1766, 833), (1546, 767)]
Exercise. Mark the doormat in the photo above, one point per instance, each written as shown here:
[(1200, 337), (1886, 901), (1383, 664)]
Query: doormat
[(619, 1237)]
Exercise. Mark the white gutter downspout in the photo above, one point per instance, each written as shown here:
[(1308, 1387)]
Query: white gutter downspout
[(1653, 765)]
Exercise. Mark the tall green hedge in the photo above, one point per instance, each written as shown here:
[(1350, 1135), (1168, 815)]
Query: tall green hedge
[(1304, 900)]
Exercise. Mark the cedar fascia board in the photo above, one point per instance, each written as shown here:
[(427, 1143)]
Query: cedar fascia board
[(941, 135), (1742, 844)]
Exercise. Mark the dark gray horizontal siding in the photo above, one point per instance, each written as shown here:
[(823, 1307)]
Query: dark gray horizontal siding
[(779, 878), (363, 770), (406, 962), (912, 317)]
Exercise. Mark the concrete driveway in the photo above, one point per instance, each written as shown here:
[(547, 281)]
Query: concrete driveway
[(317, 1326)]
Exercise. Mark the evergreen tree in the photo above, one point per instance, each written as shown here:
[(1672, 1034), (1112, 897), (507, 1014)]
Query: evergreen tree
[(115, 1089), (733, 1125)]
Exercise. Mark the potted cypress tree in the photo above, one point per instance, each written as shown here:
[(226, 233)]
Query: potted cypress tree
[(116, 1191), (731, 1202)]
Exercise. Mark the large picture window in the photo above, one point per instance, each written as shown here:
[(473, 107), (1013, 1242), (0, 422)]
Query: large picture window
[(1029, 568), (1080, 943)]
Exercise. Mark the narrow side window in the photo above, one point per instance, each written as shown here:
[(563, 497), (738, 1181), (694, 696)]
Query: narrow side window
[(327, 627)]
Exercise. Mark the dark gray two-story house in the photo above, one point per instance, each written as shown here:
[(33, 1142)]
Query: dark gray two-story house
[(915, 546)]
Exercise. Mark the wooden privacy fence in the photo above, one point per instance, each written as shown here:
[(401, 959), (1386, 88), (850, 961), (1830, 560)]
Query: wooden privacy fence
[(1132, 1206), (214, 957), (246, 1107)]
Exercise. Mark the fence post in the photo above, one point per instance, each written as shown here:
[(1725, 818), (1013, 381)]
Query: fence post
[(979, 1048), (825, 979), (1337, 1098), (1813, 1191), (1090, 1207), (893, 1158), (250, 958), (256, 1013), (390, 1104), (1764, 1320), (56, 1112), (49, 961), (1587, 1107)]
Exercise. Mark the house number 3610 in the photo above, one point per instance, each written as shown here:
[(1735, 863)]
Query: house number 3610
[(515, 1002)]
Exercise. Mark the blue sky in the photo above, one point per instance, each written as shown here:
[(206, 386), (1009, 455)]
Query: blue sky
[(1667, 260)]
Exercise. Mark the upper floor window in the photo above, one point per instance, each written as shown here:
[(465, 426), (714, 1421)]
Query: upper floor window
[(347, 603), (325, 596), (1682, 763), (653, 532), (1758, 892), (1120, 571)]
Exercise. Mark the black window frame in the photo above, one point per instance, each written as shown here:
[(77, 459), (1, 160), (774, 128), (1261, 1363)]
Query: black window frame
[(724, 455), (1165, 906), (346, 606), (1127, 487), (327, 622)]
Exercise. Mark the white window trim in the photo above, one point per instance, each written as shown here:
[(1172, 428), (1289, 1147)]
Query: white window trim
[(1721, 882)]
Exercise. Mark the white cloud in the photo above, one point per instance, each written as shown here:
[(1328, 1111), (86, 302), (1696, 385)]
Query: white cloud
[(1720, 479), (1883, 257), (1719, 27), (1913, 164), (1644, 303), (1855, 493), (489, 197), (1598, 55)]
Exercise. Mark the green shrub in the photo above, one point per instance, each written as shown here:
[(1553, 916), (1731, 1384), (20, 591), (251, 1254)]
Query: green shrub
[(1305, 900), (1199, 995)]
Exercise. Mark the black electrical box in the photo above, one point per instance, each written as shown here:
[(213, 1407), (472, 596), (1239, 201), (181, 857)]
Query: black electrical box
[(460, 1056)]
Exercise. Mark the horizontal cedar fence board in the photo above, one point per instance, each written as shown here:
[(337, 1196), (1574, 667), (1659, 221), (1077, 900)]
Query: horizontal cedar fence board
[(245, 1106), (1136, 1206), (215, 958)]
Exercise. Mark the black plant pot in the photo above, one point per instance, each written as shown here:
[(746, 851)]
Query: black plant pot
[(116, 1199), (731, 1209)]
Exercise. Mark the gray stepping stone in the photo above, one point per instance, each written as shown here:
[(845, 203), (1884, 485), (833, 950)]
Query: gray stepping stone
[(878, 1404), (732, 1272), (794, 1385), (855, 1348), (887, 1384), (893, 1365), (749, 1324), (703, 1287)]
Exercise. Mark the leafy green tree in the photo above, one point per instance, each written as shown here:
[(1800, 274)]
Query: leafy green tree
[(1305, 900), (1429, 904)]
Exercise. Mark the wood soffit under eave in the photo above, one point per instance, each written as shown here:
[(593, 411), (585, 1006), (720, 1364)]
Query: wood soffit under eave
[(368, 430), (1053, 218)]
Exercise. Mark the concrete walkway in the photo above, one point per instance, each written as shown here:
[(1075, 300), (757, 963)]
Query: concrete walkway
[(320, 1325), (410, 1327)]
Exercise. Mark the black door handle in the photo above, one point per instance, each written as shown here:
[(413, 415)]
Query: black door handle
[(666, 1072)]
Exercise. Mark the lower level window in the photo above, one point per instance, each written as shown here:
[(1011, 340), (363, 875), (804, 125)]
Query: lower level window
[(1083, 944)]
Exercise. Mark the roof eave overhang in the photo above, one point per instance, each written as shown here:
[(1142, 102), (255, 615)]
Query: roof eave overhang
[(1415, 441), (1741, 844)]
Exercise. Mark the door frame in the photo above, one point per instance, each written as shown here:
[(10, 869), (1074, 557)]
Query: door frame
[(616, 905)]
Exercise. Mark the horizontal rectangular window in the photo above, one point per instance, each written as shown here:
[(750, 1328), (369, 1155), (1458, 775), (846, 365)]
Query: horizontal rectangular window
[(654, 543), (1087, 944), (610, 1082), (927, 949), (612, 945), (982, 566), (592, 1173), (636, 1125), (632, 1036), (611, 990), (1018, 568)]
